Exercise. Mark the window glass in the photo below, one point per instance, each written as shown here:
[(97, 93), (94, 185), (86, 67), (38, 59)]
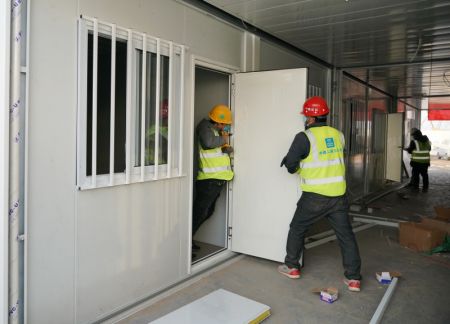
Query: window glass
[(104, 105), (150, 110)]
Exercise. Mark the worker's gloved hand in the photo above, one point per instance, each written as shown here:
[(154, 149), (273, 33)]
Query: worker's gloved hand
[(283, 162), (227, 149)]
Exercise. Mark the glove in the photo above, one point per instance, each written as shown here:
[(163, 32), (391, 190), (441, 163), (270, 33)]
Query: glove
[(227, 149), (283, 162)]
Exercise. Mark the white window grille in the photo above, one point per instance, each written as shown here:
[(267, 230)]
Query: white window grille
[(130, 106)]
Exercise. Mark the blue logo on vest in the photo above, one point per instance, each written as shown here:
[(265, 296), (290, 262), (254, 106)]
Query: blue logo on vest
[(329, 141)]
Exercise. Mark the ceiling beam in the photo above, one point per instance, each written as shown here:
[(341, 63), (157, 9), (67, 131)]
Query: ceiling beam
[(425, 96), (387, 65)]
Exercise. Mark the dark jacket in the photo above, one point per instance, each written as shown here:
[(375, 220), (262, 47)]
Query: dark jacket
[(207, 138), (299, 149), (412, 147)]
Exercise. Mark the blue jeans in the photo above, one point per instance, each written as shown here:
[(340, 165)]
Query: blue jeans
[(312, 207)]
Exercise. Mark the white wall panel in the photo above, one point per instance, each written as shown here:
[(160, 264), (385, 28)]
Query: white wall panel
[(129, 249), (274, 57), (204, 35), (51, 149), (94, 252)]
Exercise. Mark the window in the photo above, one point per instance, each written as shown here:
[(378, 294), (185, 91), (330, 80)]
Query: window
[(130, 113), (104, 104), (150, 110)]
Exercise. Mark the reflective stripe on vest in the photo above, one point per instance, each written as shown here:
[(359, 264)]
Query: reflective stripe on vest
[(323, 170), (421, 153), (213, 164)]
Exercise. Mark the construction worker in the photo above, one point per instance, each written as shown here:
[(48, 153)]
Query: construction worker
[(419, 148), (214, 165), (317, 154), (163, 137)]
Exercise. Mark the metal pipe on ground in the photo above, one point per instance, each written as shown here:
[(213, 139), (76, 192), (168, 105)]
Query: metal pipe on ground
[(376, 318)]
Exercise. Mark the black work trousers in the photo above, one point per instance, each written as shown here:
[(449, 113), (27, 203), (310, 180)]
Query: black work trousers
[(310, 208), (207, 192), (419, 169)]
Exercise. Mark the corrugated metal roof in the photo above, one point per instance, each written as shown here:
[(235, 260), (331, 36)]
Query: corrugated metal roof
[(402, 46)]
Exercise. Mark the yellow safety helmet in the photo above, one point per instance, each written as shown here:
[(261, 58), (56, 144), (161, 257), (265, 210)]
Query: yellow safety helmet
[(221, 114)]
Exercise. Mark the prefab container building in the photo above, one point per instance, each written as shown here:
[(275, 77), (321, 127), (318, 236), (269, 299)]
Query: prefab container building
[(104, 100)]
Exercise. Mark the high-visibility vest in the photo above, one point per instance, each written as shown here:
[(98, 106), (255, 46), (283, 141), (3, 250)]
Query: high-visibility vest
[(421, 153), (323, 170), (213, 163), (150, 147)]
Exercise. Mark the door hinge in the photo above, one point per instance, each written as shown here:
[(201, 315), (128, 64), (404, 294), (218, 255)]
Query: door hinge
[(230, 230), (21, 237), (233, 89)]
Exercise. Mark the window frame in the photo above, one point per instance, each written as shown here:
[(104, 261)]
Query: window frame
[(132, 174)]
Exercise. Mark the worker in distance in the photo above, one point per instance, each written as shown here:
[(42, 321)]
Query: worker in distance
[(214, 169), (317, 155), (419, 148)]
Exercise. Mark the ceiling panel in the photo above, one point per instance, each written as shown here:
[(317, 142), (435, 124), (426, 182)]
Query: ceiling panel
[(401, 46)]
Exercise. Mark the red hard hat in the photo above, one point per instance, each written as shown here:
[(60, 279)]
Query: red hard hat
[(315, 106)]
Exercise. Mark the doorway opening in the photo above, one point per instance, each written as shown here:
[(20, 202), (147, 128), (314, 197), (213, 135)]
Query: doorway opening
[(212, 87)]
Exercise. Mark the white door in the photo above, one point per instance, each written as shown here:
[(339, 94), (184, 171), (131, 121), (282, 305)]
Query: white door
[(264, 196), (394, 147)]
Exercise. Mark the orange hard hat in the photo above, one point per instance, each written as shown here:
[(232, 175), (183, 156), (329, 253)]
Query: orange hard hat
[(315, 106), (221, 114)]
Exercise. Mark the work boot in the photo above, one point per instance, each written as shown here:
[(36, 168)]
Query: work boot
[(424, 189), (292, 273), (352, 284)]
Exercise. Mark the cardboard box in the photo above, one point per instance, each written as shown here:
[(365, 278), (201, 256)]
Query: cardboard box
[(328, 295), (443, 213), (386, 277), (437, 224), (419, 237)]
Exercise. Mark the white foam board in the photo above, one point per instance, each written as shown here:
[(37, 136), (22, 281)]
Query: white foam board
[(220, 306)]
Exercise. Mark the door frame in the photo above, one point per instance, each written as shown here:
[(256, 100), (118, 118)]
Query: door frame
[(198, 61)]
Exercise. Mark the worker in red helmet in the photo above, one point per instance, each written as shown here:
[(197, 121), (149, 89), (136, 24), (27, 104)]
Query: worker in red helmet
[(317, 155)]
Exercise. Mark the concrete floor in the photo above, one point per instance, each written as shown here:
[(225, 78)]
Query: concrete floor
[(406, 204), (420, 297)]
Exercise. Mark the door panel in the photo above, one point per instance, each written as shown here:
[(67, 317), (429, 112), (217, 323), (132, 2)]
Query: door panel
[(394, 147), (264, 196)]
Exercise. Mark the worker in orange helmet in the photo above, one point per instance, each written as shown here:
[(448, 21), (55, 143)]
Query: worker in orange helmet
[(214, 165), (317, 154)]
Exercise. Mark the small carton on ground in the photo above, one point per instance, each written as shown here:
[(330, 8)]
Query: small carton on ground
[(328, 295), (435, 223), (419, 237), (386, 277), (442, 213)]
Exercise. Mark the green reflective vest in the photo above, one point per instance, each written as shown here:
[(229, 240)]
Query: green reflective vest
[(214, 164), (150, 145), (421, 153), (323, 170)]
